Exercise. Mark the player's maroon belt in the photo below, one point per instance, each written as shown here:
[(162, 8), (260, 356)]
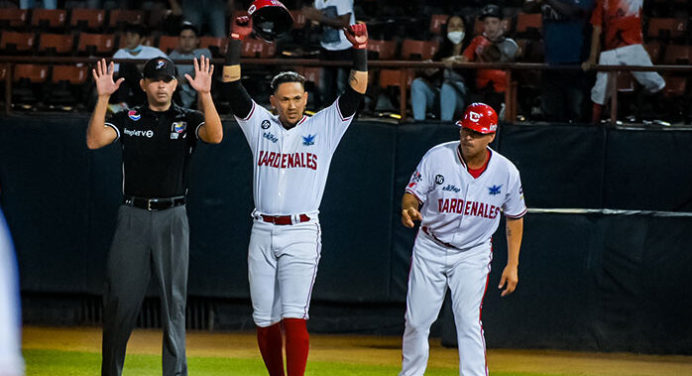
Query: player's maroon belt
[(436, 239), (285, 219)]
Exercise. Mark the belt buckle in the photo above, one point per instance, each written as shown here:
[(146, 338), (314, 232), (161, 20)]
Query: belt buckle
[(148, 204)]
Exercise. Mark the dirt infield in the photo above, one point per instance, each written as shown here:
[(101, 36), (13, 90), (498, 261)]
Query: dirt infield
[(372, 350)]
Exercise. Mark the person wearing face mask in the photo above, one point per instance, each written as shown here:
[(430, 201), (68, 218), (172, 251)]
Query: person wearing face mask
[(129, 93), (491, 47), (442, 86)]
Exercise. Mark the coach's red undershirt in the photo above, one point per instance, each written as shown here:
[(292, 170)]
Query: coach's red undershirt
[(476, 172)]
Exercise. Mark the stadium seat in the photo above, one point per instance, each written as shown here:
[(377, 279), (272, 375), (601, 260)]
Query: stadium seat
[(217, 46), (96, 44), (87, 19), (28, 81), (676, 86), (299, 19), (67, 86), (436, 23), (666, 28), (418, 49), (392, 77), (55, 44), (11, 18), (677, 55), (529, 25), (381, 49), (168, 43), (15, 43), (117, 18), (625, 82), (654, 49), (49, 19), (258, 48)]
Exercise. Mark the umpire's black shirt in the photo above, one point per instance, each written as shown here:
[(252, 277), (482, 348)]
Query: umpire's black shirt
[(156, 149)]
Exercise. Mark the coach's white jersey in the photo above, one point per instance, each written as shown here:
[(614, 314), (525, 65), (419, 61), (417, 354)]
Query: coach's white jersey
[(461, 210), (291, 165)]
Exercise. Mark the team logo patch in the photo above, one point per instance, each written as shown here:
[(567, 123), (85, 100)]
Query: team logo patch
[(178, 126), (416, 177), (265, 124), (132, 114), (270, 137), (494, 190), (439, 179), (309, 139), (159, 64)]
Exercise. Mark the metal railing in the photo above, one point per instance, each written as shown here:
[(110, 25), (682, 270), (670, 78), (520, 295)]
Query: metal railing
[(403, 65)]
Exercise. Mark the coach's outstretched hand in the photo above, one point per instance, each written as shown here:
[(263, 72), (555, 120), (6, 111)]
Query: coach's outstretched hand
[(241, 27), (203, 73), (357, 34), (103, 77)]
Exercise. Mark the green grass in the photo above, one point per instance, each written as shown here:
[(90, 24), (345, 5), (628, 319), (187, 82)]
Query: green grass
[(70, 363)]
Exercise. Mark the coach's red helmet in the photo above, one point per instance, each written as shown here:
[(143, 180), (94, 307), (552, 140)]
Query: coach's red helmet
[(270, 18), (479, 117)]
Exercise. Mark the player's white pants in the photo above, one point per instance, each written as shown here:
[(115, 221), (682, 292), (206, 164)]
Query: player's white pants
[(11, 362), (282, 265), (634, 54), (433, 268)]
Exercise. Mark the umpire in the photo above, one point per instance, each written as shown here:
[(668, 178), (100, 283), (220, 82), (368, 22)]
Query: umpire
[(152, 235)]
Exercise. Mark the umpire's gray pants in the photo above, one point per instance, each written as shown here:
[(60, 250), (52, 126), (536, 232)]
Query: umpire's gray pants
[(144, 243)]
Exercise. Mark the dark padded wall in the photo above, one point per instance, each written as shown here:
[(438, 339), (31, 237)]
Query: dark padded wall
[(587, 280)]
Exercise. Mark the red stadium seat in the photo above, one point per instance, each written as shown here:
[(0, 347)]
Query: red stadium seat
[(677, 54), (654, 49), (383, 49), (665, 28), (49, 18), (118, 17), (529, 24), (418, 49), (436, 23), (96, 44), (73, 74), (676, 86), (34, 73), (15, 43), (88, 19), (52, 44), (258, 48), (14, 18), (392, 77), (168, 43), (299, 19), (311, 74)]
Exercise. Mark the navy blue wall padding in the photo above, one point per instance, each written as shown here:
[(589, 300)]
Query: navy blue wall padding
[(588, 281)]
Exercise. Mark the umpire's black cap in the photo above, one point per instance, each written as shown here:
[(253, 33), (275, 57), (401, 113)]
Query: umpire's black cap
[(159, 68)]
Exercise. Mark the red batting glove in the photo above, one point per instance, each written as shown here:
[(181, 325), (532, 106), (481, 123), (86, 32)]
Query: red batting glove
[(241, 27), (358, 35)]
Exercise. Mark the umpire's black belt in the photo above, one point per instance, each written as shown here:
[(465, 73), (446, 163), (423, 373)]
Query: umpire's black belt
[(154, 204)]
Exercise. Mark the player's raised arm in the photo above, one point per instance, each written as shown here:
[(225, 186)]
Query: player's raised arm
[(98, 134), (409, 210), (212, 131), (358, 80), (510, 274), (241, 103)]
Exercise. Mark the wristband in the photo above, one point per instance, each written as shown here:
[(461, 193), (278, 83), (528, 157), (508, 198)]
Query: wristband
[(360, 60)]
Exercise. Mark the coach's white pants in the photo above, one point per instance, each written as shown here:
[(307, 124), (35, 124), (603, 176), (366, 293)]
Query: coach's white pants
[(433, 268), (634, 54), (282, 265)]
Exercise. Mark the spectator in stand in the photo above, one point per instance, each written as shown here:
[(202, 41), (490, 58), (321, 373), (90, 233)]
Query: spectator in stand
[(210, 12), (443, 86), (620, 22), (130, 94), (187, 50), (333, 15), (564, 23), (491, 47)]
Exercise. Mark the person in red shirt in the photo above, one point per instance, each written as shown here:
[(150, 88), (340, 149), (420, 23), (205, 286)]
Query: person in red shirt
[(491, 83), (619, 22)]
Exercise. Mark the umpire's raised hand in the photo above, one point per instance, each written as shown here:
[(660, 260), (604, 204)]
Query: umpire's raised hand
[(203, 73), (103, 77)]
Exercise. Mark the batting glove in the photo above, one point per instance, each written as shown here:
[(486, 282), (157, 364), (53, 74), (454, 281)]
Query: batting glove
[(242, 27), (358, 35)]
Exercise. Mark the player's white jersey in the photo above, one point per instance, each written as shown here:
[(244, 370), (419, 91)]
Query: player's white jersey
[(291, 165), (458, 209)]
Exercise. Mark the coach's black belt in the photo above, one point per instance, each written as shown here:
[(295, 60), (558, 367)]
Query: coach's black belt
[(436, 239), (285, 219), (153, 204)]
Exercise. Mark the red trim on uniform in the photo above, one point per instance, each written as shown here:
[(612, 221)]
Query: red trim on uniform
[(480, 309), (252, 111), (520, 215), (302, 120), (476, 172), (338, 109), (414, 195), (314, 272)]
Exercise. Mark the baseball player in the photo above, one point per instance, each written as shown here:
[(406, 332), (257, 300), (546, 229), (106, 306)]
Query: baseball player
[(11, 362), (458, 192), (152, 234), (291, 157)]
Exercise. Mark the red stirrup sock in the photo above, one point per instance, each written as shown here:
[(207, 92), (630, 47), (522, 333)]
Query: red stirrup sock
[(271, 347), (596, 113), (297, 346)]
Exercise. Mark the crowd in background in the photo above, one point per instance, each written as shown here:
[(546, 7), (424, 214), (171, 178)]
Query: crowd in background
[(469, 30)]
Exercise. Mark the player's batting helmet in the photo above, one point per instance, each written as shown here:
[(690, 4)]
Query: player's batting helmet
[(270, 18), (479, 117)]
